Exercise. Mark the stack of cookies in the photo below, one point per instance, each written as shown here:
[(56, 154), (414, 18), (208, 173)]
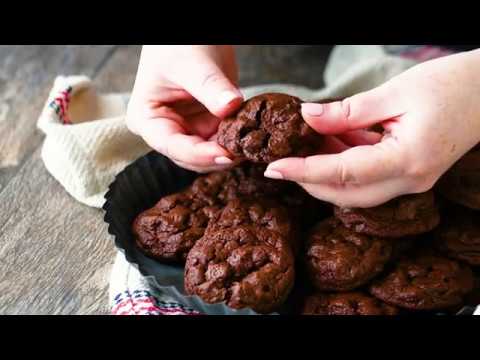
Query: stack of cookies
[(246, 240)]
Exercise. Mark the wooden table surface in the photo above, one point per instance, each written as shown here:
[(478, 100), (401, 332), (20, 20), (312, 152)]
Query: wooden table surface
[(55, 253)]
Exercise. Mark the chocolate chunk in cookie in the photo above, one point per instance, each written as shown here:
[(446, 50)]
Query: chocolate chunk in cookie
[(338, 259), (424, 281), (268, 127), (403, 216), (349, 303)]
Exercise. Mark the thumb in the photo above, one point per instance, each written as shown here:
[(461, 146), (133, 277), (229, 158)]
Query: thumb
[(356, 112), (207, 83)]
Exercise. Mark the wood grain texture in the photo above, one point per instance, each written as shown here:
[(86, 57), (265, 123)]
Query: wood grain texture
[(55, 253), (26, 77)]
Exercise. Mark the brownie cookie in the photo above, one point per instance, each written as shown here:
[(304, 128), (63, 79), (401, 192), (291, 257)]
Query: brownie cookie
[(424, 281), (268, 127), (257, 213), (461, 183), (168, 230), (349, 303), (458, 236), (245, 180), (338, 259), (403, 216), (243, 260)]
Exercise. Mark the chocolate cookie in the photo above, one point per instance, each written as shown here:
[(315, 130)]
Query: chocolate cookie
[(245, 180), (268, 127), (424, 281), (461, 183), (339, 259), (244, 260), (458, 236), (350, 303), (406, 215), (257, 213), (168, 230)]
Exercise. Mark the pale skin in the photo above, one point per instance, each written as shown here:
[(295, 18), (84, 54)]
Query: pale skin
[(431, 114)]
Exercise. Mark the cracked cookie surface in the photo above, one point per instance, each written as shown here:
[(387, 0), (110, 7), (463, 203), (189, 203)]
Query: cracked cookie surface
[(403, 216), (245, 180), (338, 259), (169, 230), (244, 259), (424, 281), (268, 127), (260, 212)]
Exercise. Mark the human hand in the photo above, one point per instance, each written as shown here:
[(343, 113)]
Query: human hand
[(431, 117), (180, 95)]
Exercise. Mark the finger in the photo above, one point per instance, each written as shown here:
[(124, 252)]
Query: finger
[(357, 165), (360, 137), (207, 83), (169, 138), (198, 121), (188, 107), (358, 196), (203, 124), (356, 112)]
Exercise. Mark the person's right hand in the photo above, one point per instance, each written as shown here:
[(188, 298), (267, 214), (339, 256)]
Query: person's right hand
[(180, 95), (430, 115)]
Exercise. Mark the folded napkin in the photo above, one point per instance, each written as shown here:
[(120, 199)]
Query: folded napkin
[(87, 143)]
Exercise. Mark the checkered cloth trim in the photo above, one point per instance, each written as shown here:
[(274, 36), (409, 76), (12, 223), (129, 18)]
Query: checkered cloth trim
[(142, 302), (60, 104)]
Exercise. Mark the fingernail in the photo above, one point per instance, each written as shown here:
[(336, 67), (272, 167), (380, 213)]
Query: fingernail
[(223, 160), (312, 109), (273, 174), (227, 97)]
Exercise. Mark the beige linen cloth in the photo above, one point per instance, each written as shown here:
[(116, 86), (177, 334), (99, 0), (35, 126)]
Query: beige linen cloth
[(87, 142)]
